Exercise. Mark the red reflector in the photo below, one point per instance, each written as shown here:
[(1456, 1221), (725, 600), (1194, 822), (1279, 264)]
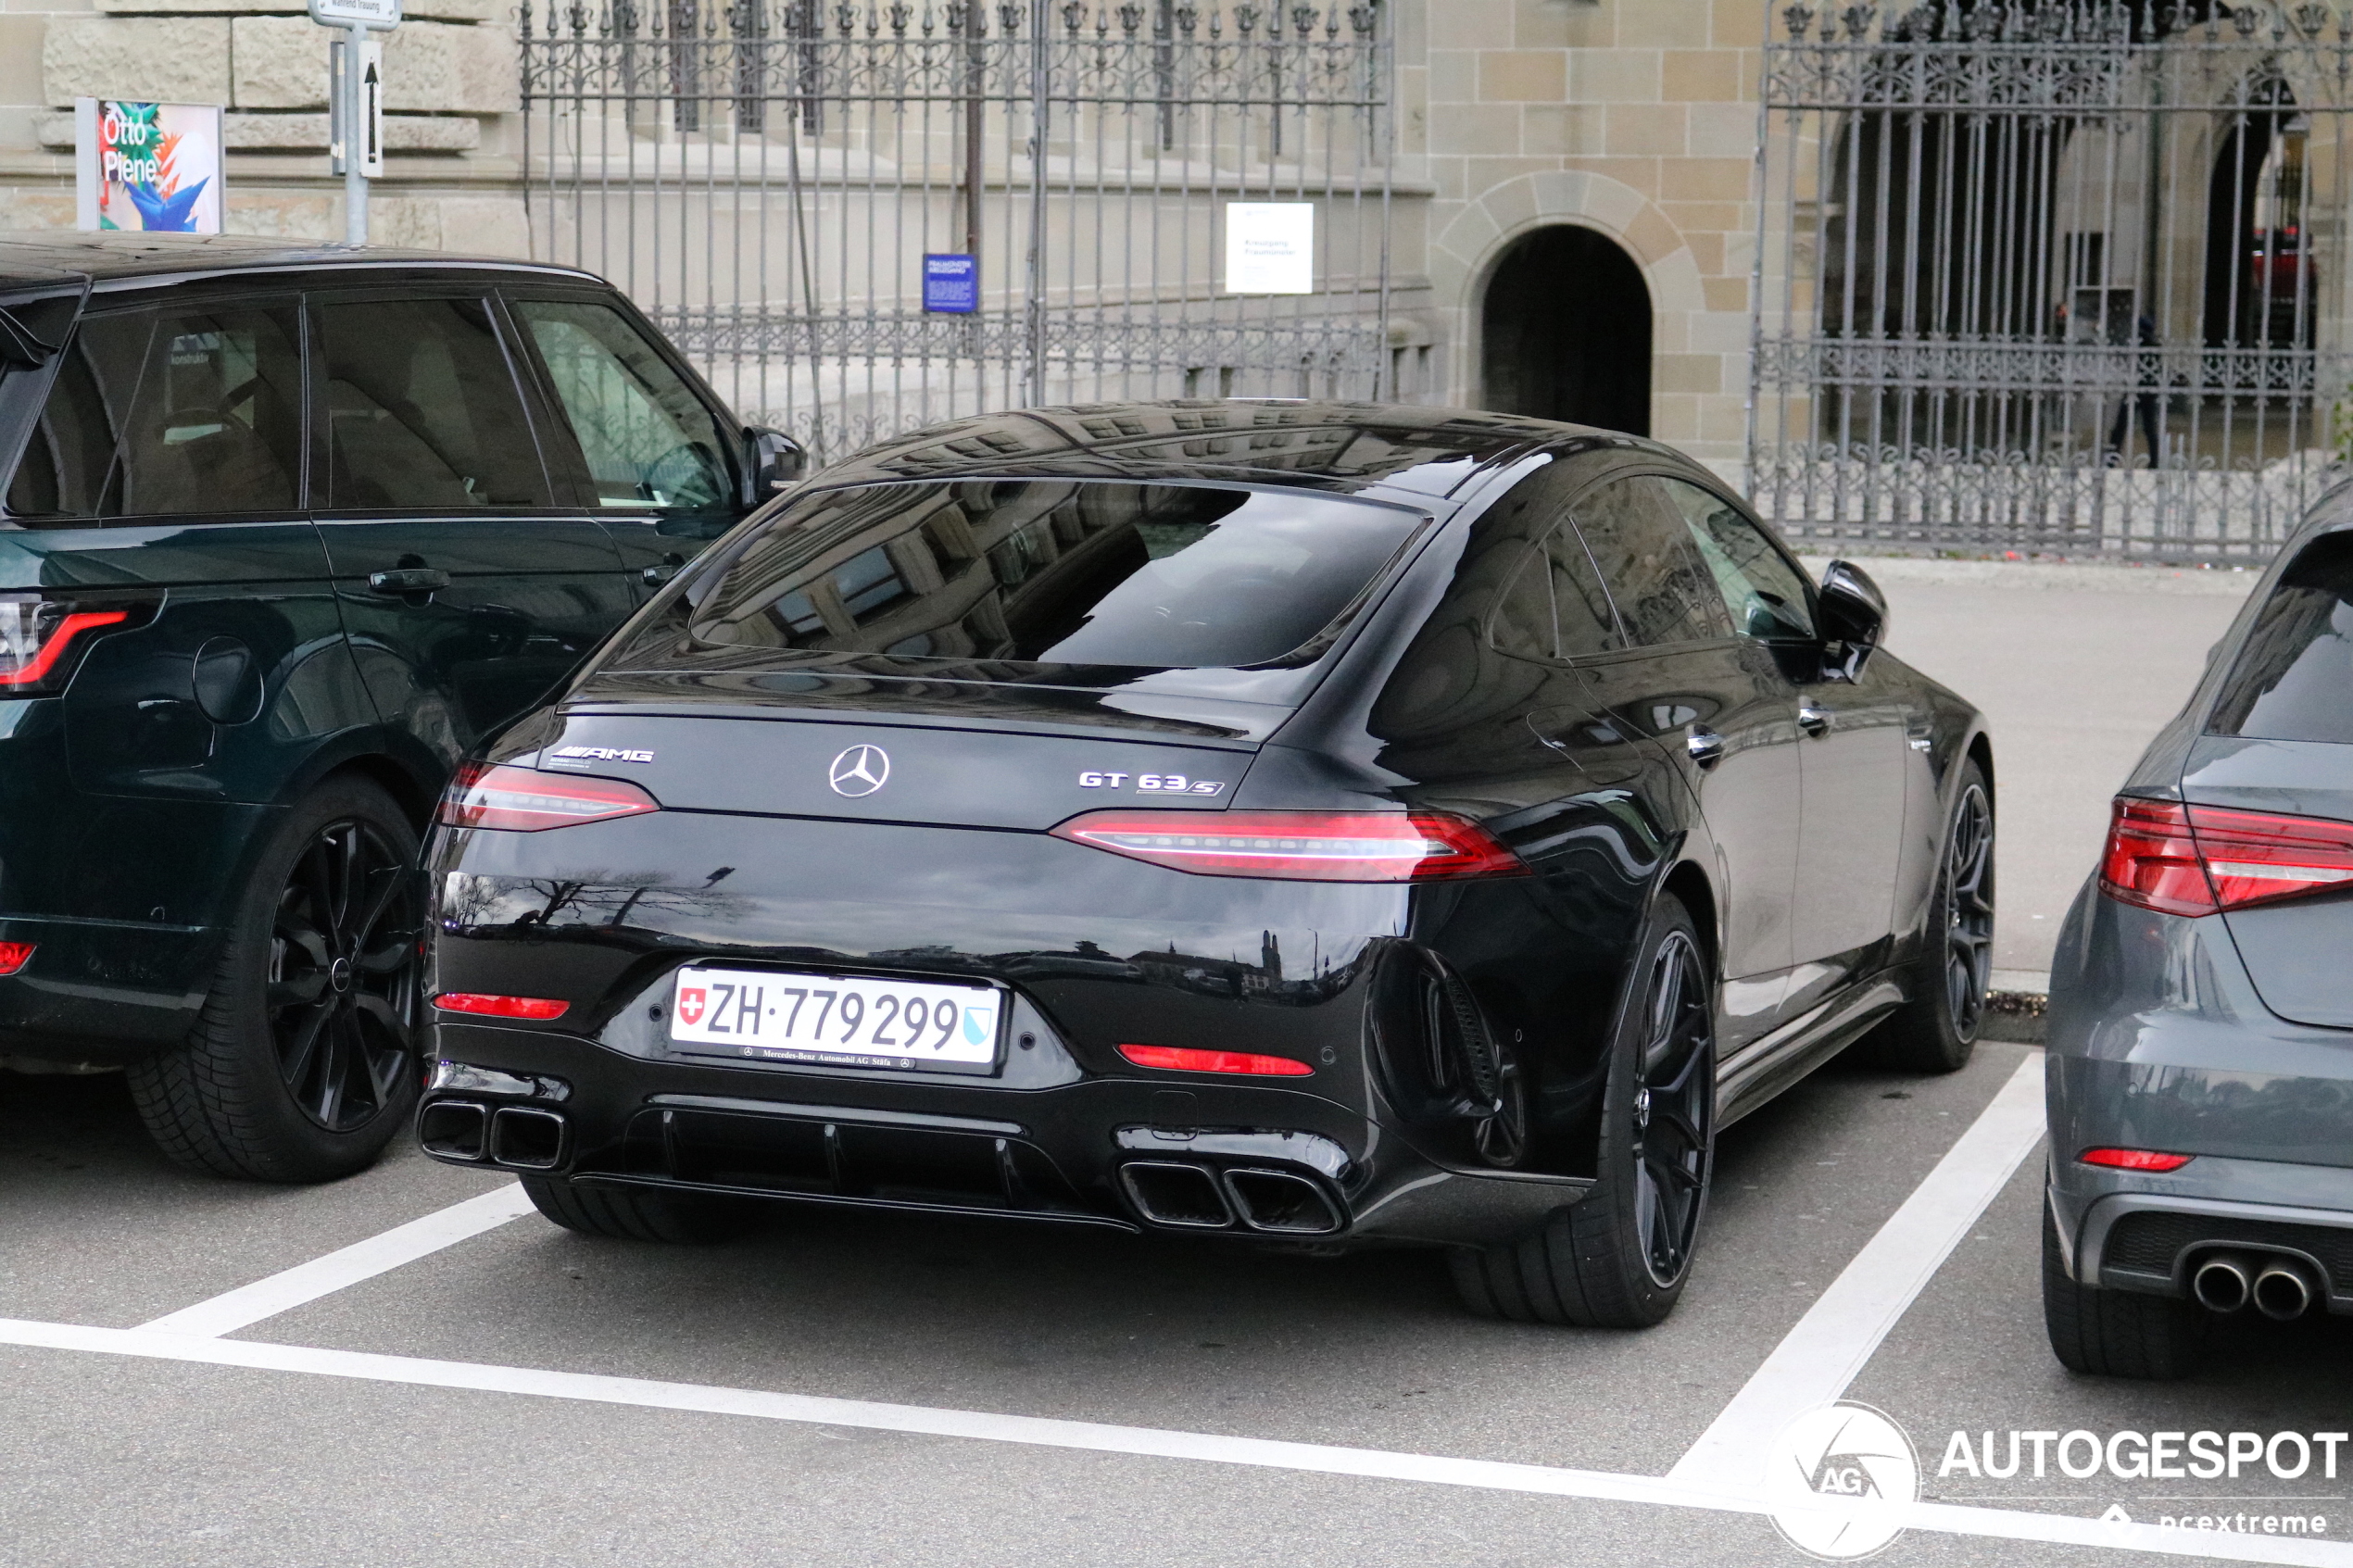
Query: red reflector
[(2134, 1158), (541, 1007), (14, 956), (525, 801), (1301, 846), (28, 655), (1180, 1060), (2195, 859)]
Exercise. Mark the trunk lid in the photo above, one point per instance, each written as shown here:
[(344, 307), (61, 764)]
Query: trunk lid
[(2294, 951), (941, 753)]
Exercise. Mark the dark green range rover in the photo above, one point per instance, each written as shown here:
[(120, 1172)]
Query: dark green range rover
[(285, 531)]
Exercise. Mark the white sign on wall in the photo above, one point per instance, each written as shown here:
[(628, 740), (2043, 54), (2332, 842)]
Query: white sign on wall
[(384, 14), (1270, 248)]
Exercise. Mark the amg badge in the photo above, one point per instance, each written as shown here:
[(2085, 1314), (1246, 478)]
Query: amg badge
[(579, 756)]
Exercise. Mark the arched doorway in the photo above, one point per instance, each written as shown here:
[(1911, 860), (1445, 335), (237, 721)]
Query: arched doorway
[(1564, 332)]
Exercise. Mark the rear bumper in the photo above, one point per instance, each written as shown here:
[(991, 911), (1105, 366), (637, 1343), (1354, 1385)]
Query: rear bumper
[(102, 992), (1237, 1159), (2158, 1040)]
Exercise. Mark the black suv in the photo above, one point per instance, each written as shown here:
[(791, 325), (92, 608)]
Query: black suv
[(285, 532)]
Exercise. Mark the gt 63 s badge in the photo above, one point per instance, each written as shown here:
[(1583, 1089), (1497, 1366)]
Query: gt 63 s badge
[(1151, 784)]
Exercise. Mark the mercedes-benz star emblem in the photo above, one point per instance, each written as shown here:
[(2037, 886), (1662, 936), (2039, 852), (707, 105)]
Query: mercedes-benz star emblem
[(860, 771)]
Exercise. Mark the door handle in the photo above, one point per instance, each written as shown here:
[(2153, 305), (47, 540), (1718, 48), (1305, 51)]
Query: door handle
[(403, 581), (665, 569), (1812, 720), (1707, 748)]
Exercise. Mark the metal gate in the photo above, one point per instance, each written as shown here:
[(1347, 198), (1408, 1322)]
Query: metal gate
[(766, 178), (2053, 275)]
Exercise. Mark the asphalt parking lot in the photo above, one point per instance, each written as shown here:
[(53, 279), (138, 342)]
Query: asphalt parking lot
[(401, 1368)]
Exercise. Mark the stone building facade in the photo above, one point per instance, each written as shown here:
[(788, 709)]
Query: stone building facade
[(1574, 217)]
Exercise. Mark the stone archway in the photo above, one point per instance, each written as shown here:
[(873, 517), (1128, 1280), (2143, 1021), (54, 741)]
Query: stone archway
[(1467, 251), (1565, 330)]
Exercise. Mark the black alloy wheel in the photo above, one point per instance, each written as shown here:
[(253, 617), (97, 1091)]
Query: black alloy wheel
[(1968, 886), (342, 996), (1936, 1028), (1620, 1256), (1673, 1111), (301, 1062)]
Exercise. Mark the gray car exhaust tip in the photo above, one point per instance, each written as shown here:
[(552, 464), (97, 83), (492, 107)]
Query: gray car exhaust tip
[(2222, 1283), (2281, 1291)]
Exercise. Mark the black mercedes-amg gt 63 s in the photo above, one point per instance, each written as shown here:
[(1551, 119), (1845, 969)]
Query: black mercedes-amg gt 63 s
[(1308, 823)]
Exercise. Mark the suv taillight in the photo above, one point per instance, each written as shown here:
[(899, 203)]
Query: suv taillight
[(525, 801), (2195, 859), (38, 637), (1301, 846)]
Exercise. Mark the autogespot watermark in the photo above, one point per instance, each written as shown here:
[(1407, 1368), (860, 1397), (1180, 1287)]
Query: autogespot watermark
[(1840, 1480), (2169, 1456)]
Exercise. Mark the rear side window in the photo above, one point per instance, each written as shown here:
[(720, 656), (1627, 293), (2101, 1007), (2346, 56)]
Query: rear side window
[(168, 412), (1556, 607), (647, 439), (2293, 679), (1161, 576), (421, 408), (1663, 590)]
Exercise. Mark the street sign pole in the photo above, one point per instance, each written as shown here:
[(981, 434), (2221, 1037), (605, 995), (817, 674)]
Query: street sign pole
[(355, 176), (358, 100)]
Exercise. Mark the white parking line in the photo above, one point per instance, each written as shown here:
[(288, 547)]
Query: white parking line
[(248, 1304), (1819, 1358), (1036, 1431)]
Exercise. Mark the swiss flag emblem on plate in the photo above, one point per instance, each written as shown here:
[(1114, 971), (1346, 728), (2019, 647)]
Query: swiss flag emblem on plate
[(690, 1003)]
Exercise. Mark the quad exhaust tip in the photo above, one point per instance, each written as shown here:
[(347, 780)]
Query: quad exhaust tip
[(520, 1137), (1186, 1197), (2222, 1283)]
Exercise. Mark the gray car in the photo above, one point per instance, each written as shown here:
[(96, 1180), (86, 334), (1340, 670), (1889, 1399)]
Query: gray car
[(2201, 1017)]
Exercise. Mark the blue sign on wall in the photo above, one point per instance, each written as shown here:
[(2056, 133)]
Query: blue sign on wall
[(951, 284)]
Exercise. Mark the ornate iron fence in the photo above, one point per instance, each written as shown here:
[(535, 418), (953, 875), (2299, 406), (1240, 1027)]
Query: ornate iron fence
[(2054, 275), (766, 178)]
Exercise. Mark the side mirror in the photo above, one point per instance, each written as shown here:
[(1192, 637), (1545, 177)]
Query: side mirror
[(774, 461), (1854, 616)]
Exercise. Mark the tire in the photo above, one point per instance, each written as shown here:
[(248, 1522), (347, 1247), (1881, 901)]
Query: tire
[(626, 1214), (1936, 1028), (1619, 1258), (2101, 1333), (302, 1064)]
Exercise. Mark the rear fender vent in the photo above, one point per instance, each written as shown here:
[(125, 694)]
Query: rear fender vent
[(1446, 1062)]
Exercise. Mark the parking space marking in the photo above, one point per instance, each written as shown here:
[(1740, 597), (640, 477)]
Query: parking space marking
[(248, 1304), (1148, 1442), (1816, 1359)]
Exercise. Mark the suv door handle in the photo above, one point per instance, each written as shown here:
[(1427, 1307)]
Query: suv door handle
[(401, 581), (1813, 721), (1706, 746), (665, 569)]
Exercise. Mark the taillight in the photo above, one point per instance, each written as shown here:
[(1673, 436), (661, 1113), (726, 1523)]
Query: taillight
[(2195, 859), (524, 801), (1179, 1059), (487, 1005), (1301, 846), (2134, 1158), (35, 637), (14, 956)]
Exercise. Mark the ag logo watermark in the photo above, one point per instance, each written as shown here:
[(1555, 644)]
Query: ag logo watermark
[(1838, 1480)]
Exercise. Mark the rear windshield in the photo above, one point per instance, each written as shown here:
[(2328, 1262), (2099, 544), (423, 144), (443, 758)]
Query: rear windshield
[(1164, 576), (2294, 677)]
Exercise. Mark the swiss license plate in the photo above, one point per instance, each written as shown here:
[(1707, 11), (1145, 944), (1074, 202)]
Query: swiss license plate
[(844, 1020)]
